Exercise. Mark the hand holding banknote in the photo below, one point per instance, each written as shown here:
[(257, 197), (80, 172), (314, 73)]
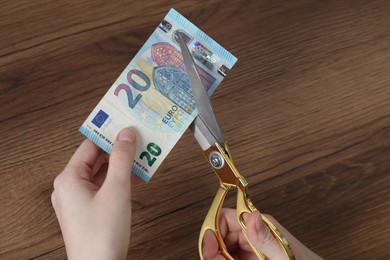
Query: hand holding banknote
[(92, 201)]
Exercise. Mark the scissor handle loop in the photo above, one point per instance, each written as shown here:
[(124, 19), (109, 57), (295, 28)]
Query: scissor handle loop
[(230, 178), (211, 223)]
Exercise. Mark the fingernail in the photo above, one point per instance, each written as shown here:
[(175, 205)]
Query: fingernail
[(127, 135)]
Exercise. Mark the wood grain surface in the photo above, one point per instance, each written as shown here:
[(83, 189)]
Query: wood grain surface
[(306, 111)]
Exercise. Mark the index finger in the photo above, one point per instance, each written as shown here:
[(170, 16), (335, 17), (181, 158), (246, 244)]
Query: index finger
[(85, 156), (231, 229), (228, 221)]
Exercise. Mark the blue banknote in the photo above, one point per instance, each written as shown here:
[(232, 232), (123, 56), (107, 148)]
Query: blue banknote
[(153, 94)]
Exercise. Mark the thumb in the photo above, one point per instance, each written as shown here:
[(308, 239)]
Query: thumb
[(121, 159), (261, 237)]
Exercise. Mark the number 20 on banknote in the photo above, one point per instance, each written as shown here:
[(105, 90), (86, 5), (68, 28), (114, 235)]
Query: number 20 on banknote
[(152, 148)]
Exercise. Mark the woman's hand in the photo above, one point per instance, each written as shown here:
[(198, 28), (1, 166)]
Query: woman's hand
[(259, 235), (92, 201)]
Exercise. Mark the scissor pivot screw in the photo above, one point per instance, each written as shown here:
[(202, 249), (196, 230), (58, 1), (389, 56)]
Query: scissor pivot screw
[(216, 160)]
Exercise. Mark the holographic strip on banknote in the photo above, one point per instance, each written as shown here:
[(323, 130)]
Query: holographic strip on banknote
[(153, 94)]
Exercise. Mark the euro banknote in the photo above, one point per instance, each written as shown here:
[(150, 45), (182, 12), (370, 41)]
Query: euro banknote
[(153, 94)]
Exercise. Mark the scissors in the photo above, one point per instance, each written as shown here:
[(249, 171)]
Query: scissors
[(208, 134)]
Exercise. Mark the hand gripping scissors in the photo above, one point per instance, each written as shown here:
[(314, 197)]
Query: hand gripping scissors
[(208, 134)]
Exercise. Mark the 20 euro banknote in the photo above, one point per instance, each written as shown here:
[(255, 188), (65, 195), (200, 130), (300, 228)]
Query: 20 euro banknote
[(153, 94)]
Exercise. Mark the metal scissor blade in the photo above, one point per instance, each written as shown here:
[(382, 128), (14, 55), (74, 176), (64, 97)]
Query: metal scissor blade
[(206, 124)]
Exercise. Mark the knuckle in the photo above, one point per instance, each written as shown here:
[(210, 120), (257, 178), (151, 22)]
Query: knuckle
[(57, 182), (54, 199), (60, 182)]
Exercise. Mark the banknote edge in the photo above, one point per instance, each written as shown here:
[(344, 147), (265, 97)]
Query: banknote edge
[(214, 44)]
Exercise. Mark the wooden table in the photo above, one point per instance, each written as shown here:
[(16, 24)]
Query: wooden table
[(306, 110)]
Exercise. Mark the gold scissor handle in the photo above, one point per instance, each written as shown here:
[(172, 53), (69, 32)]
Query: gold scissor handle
[(211, 223), (230, 178)]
